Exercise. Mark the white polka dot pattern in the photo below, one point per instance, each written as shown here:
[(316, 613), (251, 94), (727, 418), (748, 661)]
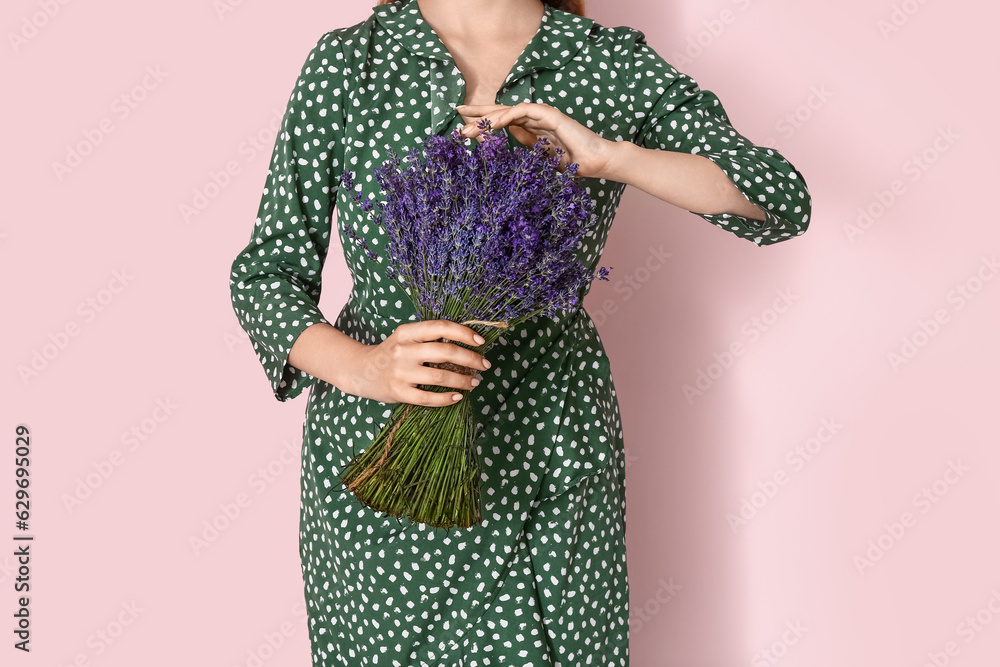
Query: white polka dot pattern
[(543, 579)]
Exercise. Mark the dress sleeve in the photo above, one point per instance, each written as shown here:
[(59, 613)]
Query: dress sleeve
[(275, 280), (673, 113)]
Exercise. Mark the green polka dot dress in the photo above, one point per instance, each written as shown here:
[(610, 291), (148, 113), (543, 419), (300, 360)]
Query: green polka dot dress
[(542, 581)]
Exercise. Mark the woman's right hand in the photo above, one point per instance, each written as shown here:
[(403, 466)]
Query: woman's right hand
[(389, 372)]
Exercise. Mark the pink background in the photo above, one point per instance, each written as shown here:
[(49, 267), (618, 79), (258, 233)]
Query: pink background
[(860, 544)]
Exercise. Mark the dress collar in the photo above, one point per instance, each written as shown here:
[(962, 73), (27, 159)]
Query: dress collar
[(560, 37)]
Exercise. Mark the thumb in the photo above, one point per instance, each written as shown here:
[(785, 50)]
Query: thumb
[(522, 135)]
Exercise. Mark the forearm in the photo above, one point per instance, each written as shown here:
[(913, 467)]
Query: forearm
[(690, 181), (328, 354)]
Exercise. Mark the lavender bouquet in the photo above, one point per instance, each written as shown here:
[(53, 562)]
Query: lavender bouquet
[(488, 238)]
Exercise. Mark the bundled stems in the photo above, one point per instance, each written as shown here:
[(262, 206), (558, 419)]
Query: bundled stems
[(423, 464), (491, 238)]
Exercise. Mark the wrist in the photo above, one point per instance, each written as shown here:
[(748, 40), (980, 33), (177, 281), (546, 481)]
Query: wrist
[(616, 155), (353, 368)]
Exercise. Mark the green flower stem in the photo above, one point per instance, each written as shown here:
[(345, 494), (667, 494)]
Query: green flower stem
[(431, 473)]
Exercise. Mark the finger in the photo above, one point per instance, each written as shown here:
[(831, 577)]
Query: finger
[(478, 109), (503, 116), (430, 330), (444, 352), (472, 131), (480, 112), (524, 113), (430, 399), (522, 135), (440, 377), (475, 113), (524, 122), (471, 127)]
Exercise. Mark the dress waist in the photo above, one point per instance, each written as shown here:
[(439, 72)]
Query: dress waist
[(549, 380)]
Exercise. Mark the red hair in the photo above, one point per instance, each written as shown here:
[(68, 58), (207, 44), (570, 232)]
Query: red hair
[(571, 6)]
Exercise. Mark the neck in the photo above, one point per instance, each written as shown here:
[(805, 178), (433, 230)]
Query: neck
[(482, 19)]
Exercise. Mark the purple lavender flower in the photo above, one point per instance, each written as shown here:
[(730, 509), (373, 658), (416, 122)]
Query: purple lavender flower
[(491, 233)]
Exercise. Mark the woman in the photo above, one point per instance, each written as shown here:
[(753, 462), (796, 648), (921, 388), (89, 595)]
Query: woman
[(543, 579)]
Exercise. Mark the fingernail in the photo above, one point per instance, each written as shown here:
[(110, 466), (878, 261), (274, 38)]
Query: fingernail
[(486, 362), (475, 382), (479, 339), (456, 397)]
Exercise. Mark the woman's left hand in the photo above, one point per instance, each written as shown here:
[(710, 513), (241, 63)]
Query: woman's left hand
[(529, 120)]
